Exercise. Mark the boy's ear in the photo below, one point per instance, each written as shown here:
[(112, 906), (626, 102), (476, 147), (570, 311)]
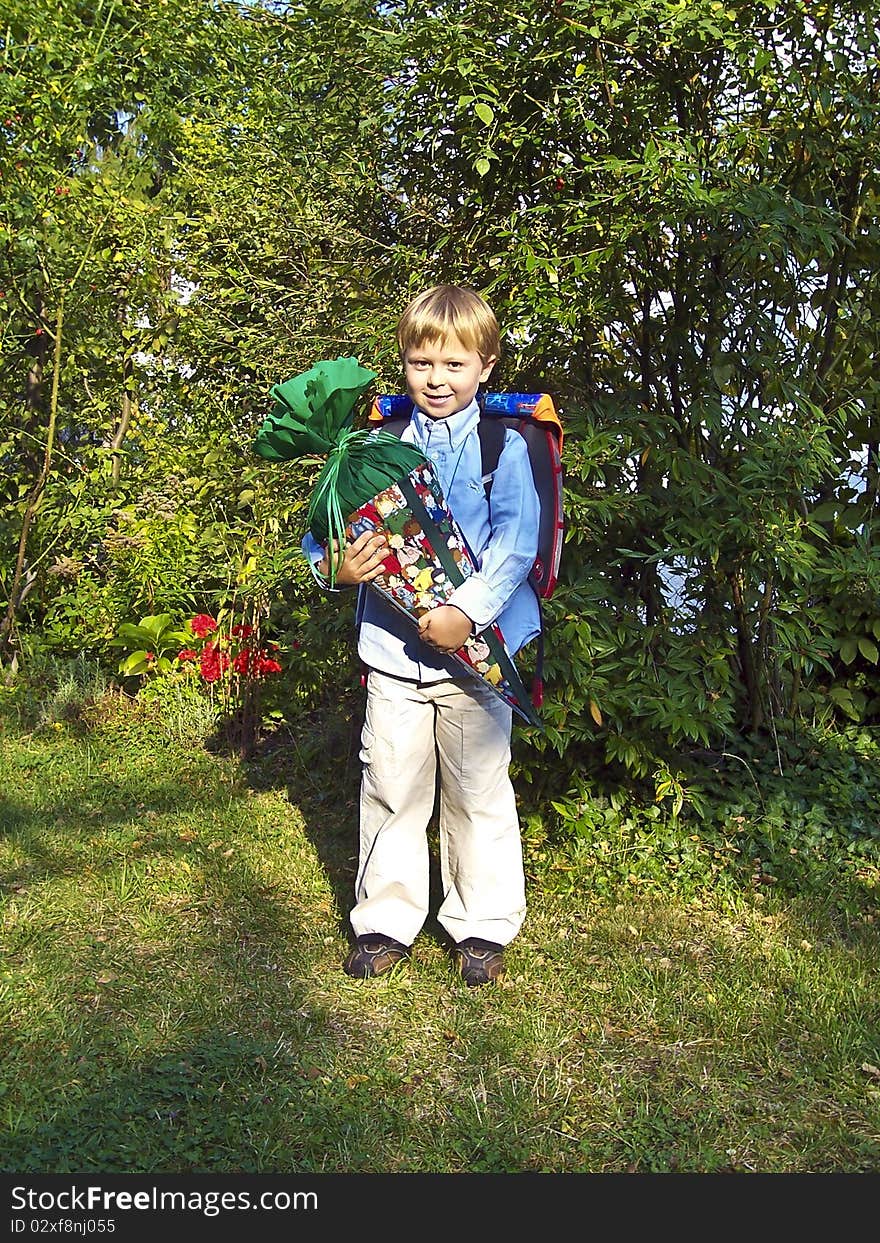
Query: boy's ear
[(488, 364)]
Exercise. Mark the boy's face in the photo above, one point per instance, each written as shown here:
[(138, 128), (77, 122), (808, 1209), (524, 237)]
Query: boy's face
[(442, 377)]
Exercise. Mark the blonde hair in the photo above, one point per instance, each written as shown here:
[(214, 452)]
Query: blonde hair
[(450, 310)]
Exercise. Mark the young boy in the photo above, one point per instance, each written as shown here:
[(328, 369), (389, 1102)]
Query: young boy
[(428, 725)]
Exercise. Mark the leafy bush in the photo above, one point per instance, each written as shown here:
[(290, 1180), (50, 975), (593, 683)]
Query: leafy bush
[(795, 815)]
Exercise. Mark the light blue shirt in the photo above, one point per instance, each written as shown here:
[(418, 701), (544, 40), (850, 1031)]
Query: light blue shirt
[(504, 546)]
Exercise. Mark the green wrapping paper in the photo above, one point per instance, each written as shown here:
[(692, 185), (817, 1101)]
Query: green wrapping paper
[(361, 464), (312, 410), (313, 414)]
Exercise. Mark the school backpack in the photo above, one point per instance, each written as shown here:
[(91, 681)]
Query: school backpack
[(534, 417)]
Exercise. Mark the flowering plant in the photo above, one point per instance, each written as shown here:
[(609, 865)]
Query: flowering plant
[(237, 652), (231, 660), (201, 643), (152, 643)]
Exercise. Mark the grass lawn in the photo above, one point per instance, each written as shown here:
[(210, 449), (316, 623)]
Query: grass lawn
[(171, 931)]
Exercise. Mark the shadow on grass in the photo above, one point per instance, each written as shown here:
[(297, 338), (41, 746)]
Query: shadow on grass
[(53, 835), (315, 760), (137, 1056), (175, 1026)]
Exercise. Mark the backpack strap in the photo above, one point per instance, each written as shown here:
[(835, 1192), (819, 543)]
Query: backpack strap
[(395, 424), (491, 433)]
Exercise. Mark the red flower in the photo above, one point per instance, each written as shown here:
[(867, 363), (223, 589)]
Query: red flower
[(242, 663), (186, 654), (202, 625), (212, 663), (267, 665), (150, 655), (242, 630)]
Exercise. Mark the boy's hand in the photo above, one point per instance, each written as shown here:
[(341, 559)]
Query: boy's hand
[(361, 561), (445, 628)]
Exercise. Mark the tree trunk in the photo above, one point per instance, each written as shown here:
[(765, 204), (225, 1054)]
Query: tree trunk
[(748, 670), (15, 591)]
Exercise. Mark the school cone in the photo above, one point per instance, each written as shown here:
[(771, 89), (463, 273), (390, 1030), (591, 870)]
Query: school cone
[(427, 559)]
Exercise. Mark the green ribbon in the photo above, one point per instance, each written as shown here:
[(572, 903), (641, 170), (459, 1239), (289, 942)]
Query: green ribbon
[(359, 466)]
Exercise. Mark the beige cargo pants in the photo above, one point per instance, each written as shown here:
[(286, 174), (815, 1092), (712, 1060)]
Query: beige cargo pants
[(416, 737)]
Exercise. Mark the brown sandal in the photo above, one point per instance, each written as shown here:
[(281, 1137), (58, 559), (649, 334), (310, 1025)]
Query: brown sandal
[(374, 954), (479, 962)]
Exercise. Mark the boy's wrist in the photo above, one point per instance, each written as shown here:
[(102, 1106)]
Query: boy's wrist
[(473, 624), (477, 601)]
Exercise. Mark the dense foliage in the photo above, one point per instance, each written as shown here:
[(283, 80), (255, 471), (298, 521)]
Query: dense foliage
[(672, 208)]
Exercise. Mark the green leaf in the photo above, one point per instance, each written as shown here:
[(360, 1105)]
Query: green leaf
[(825, 512), (136, 663), (868, 648), (485, 113), (130, 635), (155, 624), (848, 651), (842, 697), (482, 166)]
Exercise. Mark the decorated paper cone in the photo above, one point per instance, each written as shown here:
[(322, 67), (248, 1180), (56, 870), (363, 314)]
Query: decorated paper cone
[(427, 559)]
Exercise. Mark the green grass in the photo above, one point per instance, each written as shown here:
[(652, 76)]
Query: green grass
[(173, 923)]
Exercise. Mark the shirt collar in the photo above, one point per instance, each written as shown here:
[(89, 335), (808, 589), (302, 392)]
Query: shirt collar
[(455, 427)]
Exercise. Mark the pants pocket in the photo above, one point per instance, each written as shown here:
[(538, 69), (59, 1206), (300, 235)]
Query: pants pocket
[(368, 740)]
